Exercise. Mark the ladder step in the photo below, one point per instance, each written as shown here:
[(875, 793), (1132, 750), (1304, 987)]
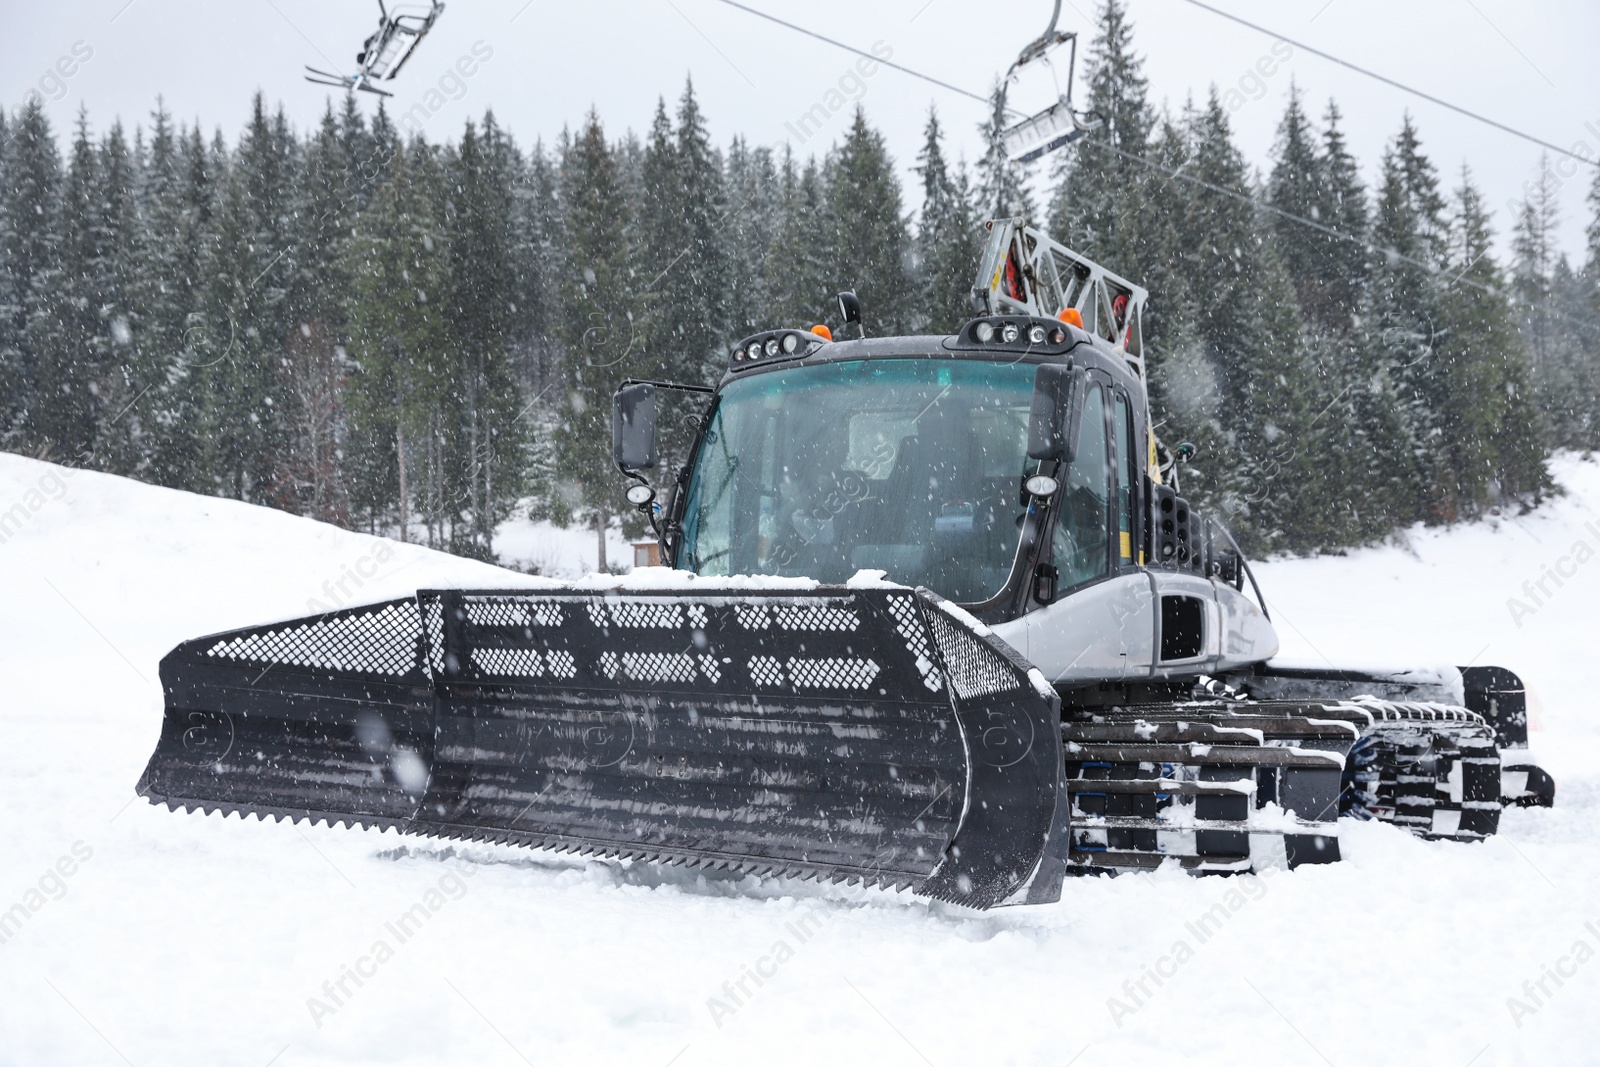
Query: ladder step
[(1243, 787), (1230, 732), (1203, 755), (1294, 721), (1151, 860), (1281, 824)]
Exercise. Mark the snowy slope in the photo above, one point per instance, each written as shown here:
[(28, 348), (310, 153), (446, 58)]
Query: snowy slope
[(197, 940)]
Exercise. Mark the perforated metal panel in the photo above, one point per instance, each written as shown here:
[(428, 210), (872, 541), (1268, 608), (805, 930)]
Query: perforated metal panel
[(637, 615), (432, 609), (516, 662), (812, 618), (506, 611), (378, 640), (908, 624), (975, 669), (832, 673), (766, 671)]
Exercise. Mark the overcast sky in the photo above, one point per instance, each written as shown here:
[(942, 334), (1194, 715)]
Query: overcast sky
[(1532, 66)]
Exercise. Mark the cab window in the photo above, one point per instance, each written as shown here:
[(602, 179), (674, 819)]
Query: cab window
[(1080, 550), (1127, 477)]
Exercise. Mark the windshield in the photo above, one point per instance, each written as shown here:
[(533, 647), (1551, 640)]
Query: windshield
[(909, 466)]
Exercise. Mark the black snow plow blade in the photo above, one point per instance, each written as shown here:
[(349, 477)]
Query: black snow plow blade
[(863, 735)]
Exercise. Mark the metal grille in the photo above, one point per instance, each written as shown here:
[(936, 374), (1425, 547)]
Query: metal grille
[(766, 670), (752, 616), (815, 618), (637, 614), (713, 671), (433, 627), (509, 662), (378, 640), (659, 666), (975, 669), (910, 627), (562, 665), (833, 673), (504, 611)]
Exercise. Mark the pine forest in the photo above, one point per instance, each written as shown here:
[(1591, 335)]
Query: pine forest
[(422, 339)]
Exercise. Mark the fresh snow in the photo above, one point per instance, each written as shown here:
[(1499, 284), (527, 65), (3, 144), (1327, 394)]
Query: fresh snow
[(558, 552), (186, 939)]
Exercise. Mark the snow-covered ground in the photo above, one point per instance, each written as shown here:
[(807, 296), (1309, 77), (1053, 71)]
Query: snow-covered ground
[(570, 552), (157, 938)]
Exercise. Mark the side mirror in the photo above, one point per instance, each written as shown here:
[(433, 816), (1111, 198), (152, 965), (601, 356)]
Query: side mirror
[(1049, 422), (850, 310), (633, 426)]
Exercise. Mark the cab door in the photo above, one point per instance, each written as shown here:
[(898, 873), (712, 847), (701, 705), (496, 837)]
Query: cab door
[(1099, 626)]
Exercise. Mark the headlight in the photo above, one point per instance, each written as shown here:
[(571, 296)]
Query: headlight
[(1009, 333), (1042, 485), (791, 341), (984, 333), (772, 346), (1036, 335)]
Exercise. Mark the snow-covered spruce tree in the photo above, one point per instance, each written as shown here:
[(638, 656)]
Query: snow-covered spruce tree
[(1100, 196), (1583, 311), (1534, 248), (308, 476), (62, 323), (1299, 186), (703, 236), (870, 237), (535, 354), (167, 254), (124, 377), (1002, 186), (1572, 387), (488, 431), (366, 164), (949, 239), (246, 321), (1558, 331), (797, 270), (538, 273), (598, 325), (1592, 266), (1397, 439), (1247, 331), (1494, 438), (696, 287), (32, 192), (398, 258), (179, 405), (1346, 264), (1162, 217), (1315, 178), (10, 353), (748, 235)]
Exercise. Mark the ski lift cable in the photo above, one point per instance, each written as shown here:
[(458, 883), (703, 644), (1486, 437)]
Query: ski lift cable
[(1178, 175), (1398, 85), (864, 54)]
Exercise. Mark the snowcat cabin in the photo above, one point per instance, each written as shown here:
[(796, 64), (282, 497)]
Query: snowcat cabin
[(938, 460), (1005, 468)]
